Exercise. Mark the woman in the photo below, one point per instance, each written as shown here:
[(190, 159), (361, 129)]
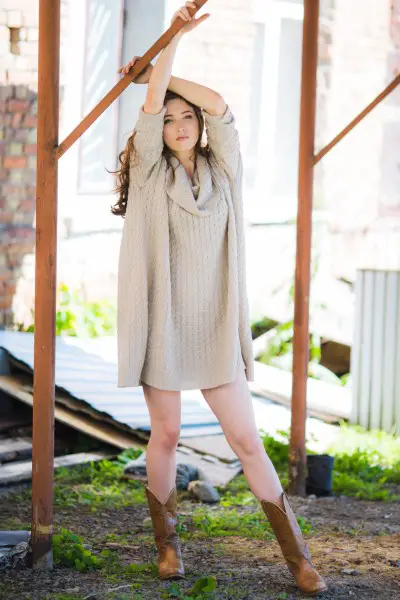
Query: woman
[(183, 319)]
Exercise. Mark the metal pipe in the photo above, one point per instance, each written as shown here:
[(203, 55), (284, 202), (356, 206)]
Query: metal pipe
[(45, 284), (125, 81), (360, 117), (297, 451)]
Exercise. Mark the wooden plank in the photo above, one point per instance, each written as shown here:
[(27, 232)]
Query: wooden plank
[(22, 471), (216, 445), (97, 429), (324, 400), (12, 422), (12, 449)]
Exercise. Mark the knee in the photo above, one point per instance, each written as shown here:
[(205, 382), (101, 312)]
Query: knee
[(167, 436), (248, 445)]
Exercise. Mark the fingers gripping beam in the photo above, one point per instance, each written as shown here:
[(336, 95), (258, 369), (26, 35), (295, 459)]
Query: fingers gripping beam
[(117, 90)]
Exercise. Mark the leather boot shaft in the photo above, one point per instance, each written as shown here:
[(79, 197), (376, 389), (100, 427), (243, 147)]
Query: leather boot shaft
[(164, 519), (293, 546)]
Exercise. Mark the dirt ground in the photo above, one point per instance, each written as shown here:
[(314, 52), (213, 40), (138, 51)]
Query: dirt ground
[(356, 547)]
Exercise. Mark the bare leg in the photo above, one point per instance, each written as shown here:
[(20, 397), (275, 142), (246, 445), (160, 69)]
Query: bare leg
[(165, 417), (232, 405)]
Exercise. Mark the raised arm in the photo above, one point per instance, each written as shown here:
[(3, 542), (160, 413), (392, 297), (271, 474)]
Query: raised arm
[(160, 77), (222, 135), (148, 139)]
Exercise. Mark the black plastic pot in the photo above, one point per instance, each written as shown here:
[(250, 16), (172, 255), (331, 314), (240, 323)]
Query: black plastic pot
[(319, 480)]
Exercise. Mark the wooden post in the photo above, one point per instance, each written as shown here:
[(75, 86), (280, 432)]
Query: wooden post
[(297, 452), (45, 284), (46, 258)]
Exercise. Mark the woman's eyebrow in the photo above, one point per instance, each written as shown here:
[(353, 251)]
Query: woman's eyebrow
[(182, 113)]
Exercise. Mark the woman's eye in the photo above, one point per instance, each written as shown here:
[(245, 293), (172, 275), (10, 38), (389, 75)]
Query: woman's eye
[(167, 121), (188, 117)]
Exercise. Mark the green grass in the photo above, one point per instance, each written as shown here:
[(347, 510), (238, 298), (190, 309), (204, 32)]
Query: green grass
[(231, 522), (367, 463), (367, 466), (97, 485)]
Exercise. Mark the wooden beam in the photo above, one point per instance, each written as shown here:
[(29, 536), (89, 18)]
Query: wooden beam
[(125, 81), (12, 473), (297, 451), (392, 85), (81, 421), (45, 283)]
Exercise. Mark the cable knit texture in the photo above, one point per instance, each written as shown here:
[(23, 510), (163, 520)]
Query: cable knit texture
[(183, 316)]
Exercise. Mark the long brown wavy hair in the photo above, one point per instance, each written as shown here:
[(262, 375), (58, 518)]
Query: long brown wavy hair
[(126, 156)]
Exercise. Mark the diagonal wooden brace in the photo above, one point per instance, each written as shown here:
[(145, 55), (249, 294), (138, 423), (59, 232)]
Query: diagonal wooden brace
[(113, 94)]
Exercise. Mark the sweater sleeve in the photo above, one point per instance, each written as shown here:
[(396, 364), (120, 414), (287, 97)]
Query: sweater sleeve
[(223, 139), (148, 145)]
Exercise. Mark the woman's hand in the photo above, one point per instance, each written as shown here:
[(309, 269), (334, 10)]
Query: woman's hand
[(191, 22), (144, 75)]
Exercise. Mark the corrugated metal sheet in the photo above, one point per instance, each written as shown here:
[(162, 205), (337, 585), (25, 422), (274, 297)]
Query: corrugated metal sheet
[(375, 365), (87, 369)]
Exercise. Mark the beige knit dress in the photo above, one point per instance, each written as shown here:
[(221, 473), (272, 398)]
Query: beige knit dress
[(183, 319)]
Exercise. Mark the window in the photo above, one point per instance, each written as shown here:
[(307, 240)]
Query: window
[(274, 196), (98, 146)]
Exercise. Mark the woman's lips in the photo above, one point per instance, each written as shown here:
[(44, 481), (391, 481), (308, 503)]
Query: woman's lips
[(182, 137)]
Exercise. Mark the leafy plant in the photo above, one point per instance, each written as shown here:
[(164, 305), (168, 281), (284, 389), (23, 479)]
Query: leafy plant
[(367, 465), (68, 550), (204, 585), (79, 318), (97, 484), (200, 589), (228, 522)]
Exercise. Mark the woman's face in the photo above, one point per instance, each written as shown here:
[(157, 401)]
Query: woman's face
[(181, 127)]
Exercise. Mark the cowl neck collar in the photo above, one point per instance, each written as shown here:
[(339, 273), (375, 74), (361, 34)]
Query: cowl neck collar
[(179, 188)]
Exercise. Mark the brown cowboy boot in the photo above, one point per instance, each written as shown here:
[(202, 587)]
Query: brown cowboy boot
[(164, 519), (293, 547)]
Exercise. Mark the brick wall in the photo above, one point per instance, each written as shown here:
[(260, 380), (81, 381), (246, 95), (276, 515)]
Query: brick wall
[(18, 85), (18, 123), (17, 176)]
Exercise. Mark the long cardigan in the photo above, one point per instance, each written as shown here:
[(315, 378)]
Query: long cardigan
[(183, 316)]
